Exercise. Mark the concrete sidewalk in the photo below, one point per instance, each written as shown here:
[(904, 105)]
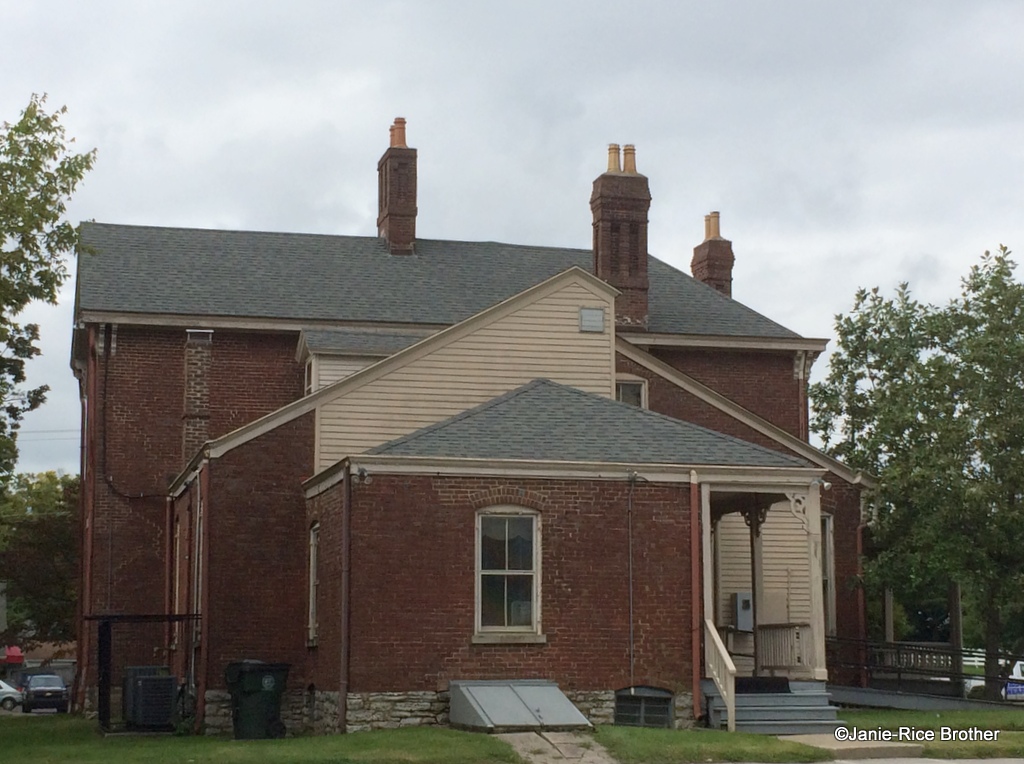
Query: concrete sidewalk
[(557, 747)]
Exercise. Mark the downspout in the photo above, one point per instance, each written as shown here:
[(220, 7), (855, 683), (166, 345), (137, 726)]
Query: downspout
[(629, 544), (203, 575), (696, 593), (169, 563), (346, 602)]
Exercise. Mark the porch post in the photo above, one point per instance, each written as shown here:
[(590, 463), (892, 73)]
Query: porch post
[(756, 587), (709, 575), (812, 511), (754, 516)]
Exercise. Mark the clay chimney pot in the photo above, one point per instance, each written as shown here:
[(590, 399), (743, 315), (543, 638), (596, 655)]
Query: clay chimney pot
[(613, 158), (629, 159)]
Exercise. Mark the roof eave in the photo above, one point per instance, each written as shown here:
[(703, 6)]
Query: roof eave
[(806, 344), (795, 477)]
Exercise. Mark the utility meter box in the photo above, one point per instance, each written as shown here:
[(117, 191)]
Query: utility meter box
[(743, 611)]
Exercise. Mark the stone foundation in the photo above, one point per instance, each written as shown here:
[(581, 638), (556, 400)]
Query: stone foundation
[(390, 710), (683, 704), (597, 705), (295, 713), (317, 712), (325, 714)]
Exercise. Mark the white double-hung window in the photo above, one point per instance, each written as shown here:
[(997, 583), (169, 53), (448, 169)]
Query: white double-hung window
[(507, 572)]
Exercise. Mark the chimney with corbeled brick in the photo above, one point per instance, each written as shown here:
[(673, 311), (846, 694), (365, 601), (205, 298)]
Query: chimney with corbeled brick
[(620, 202), (713, 258), (396, 193)]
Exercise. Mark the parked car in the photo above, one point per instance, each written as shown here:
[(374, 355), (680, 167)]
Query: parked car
[(45, 691), (9, 696)]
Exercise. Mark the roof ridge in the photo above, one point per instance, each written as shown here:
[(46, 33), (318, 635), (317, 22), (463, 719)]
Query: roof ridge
[(247, 231)]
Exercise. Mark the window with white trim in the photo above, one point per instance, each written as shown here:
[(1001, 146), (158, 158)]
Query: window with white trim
[(507, 571), (314, 581), (310, 376), (631, 390)]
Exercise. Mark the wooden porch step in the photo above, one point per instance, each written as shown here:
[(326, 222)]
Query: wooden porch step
[(805, 709)]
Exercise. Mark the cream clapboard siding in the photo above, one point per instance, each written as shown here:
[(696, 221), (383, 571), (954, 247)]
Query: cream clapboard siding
[(785, 561), (539, 340), (331, 368)]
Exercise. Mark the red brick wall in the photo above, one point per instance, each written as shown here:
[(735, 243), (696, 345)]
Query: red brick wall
[(136, 434), (412, 615), (252, 374), (324, 661), (667, 398), (257, 542), (842, 501), (760, 382)]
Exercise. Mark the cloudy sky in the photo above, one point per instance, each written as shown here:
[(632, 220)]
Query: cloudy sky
[(845, 144)]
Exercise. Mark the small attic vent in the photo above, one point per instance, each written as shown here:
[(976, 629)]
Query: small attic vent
[(592, 320), (643, 707)]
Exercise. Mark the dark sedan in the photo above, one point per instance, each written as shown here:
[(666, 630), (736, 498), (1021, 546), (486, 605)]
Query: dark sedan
[(45, 691)]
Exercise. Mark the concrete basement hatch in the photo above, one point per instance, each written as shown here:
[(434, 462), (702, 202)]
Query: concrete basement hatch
[(524, 705)]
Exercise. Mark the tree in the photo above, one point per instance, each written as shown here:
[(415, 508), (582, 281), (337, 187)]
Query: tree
[(38, 175), (39, 558), (931, 400)]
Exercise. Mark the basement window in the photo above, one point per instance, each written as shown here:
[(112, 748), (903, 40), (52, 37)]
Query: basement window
[(643, 707)]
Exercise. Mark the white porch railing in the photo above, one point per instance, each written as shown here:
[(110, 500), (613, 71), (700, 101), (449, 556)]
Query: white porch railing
[(785, 646), (721, 669)]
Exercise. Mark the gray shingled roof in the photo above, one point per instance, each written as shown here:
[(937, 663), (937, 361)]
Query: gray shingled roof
[(545, 421), (138, 269), (356, 342)]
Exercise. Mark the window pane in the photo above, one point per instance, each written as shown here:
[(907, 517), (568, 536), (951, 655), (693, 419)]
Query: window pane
[(630, 392), (492, 543), (520, 543), (520, 600), (492, 601)]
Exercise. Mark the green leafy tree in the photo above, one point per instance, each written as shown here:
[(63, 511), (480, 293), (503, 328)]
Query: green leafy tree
[(931, 400), (39, 555), (38, 175)]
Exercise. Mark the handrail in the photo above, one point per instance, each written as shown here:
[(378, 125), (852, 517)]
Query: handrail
[(722, 671)]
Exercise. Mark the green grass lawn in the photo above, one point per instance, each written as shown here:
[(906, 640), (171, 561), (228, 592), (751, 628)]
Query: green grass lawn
[(54, 739), (631, 745), (1009, 722)]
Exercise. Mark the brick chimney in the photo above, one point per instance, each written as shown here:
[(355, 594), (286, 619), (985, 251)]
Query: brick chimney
[(620, 202), (396, 193), (713, 258)]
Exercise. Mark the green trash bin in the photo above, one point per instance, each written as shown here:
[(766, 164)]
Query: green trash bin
[(256, 690)]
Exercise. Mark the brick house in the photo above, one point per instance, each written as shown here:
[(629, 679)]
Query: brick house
[(396, 462)]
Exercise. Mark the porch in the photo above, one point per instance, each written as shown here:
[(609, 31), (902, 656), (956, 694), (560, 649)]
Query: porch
[(764, 606)]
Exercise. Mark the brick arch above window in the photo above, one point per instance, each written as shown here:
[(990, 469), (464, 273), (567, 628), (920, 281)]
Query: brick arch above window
[(507, 494)]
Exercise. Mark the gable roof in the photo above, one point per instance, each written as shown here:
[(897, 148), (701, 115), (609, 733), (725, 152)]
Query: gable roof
[(244, 274), (426, 345), (546, 421)]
